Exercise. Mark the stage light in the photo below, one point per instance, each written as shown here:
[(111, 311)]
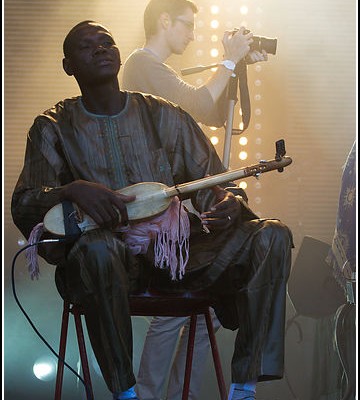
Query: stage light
[(258, 111), (243, 185), (257, 82), (214, 140), (214, 53), (244, 10), (214, 38), (243, 155), (241, 126), (257, 97), (45, 368), (21, 242), (214, 9), (257, 200), (243, 141), (258, 127), (200, 38), (214, 24), (258, 156), (258, 140)]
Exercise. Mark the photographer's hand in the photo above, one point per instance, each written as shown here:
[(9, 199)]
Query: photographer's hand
[(236, 44), (255, 56)]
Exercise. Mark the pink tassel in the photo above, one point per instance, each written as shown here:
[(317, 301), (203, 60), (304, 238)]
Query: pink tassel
[(174, 234), (31, 253), (170, 232)]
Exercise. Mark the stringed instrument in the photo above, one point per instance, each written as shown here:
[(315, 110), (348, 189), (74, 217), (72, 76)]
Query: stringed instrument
[(153, 198)]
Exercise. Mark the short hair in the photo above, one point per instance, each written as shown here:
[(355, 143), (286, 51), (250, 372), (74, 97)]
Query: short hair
[(67, 40), (155, 7)]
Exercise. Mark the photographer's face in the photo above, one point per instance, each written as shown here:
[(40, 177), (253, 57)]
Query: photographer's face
[(181, 32)]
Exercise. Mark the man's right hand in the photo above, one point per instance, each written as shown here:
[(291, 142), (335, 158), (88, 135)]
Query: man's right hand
[(102, 204), (236, 44)]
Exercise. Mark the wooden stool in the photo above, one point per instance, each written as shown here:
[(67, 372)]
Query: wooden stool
[(188, 304), (76, 311), (149, 303)]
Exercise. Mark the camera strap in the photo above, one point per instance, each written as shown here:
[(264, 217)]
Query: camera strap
[(239, 80), (241, 72)]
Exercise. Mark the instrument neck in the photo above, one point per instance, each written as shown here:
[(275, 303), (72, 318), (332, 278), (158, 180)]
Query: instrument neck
[(227, 176), (206, 182)]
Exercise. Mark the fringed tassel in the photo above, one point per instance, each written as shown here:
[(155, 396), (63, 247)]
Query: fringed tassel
[(170, 232), (31, 253), (172, 242)]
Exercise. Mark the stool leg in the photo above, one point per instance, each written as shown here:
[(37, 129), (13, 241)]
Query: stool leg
[(216, 357), (62, 348), (83, 355), (189, 357)]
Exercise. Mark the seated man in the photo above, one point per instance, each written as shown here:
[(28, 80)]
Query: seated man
[(85, 148)]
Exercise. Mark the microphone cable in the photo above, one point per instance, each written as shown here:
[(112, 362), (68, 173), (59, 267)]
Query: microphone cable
[(27, 316)]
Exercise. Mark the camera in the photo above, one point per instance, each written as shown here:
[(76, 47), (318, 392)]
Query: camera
[(263, 43)]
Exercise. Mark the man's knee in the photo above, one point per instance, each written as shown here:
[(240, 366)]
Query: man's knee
[(274, 232), (99, 250)]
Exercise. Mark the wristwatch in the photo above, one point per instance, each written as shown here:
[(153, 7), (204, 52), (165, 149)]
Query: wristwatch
[(228, 64)]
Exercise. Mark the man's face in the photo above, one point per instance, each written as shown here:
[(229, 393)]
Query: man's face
[(181, 32), (93, 55)]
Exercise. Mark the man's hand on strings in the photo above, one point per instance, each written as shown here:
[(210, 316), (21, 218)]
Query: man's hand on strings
[(224, 213), (102, 204)]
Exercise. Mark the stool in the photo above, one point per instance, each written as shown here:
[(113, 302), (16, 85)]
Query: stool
[(149, 303), (188, 304), (76, 311)]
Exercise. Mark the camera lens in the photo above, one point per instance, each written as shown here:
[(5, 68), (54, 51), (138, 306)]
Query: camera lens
[(263, 43)]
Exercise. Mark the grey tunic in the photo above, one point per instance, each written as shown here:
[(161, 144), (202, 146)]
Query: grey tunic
[(246, 268)]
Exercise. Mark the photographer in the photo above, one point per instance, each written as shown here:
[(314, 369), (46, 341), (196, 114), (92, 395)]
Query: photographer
[(169, 28)]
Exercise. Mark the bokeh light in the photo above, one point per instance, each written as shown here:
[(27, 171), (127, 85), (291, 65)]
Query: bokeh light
[(44, 368)]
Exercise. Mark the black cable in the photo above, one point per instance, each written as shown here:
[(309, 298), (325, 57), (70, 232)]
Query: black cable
[(25, 313)]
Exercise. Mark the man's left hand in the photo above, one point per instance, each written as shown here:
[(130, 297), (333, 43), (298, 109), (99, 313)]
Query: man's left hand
[(224, 213), (255, 56)]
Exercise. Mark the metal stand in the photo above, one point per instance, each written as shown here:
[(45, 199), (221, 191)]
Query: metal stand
[(232, 90), (232, 96)]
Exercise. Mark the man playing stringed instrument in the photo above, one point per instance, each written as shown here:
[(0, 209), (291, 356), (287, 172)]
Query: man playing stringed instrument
[(85, 148)]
